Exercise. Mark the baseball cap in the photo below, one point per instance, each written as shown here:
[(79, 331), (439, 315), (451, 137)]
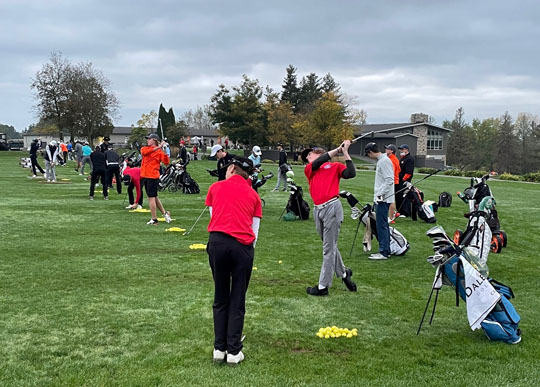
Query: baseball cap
[(53, 143), (215, 150), (243, 162), (153, 136), (371, 146), (392, 147), (256, 150), (306, 151), (403, 146)]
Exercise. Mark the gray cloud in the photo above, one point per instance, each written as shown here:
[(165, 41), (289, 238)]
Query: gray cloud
[(395, 57)]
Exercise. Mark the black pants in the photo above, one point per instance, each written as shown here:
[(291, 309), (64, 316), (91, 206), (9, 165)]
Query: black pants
[(231, 263), (131, 187), (35, 164), (114, 170), (96, 175)]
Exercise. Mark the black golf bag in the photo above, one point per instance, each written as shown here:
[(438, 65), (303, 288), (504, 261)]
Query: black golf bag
[(419, 209), (189, 186), (296, 203), (498, 318), (445, 199)]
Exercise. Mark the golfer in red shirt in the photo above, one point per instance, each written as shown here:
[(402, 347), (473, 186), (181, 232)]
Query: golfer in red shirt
[(323, 178), (235, 214)]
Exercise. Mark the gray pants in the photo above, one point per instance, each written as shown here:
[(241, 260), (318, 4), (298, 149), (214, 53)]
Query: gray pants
[(328, 223), (50, 169), (281, 176), (85, 160)]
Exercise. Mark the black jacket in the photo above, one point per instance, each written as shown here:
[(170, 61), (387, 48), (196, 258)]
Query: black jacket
[(34, 147), (112, 156), (282, 157), (407, 167), (222, 171), (99, 161)]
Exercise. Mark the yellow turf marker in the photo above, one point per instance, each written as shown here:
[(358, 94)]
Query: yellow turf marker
[(175, 229), (140, 210)]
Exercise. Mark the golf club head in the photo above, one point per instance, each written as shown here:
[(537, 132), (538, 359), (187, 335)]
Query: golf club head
[(355, 213)]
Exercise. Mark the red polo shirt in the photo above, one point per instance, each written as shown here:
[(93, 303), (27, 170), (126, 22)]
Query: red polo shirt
[(234, 204), (324, 182), (397, 168)]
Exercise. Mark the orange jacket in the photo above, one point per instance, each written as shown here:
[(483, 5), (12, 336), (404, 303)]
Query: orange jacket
[(397, 168), (152, 157)]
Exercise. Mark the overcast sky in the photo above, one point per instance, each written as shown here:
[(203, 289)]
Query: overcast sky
[(395, 57)]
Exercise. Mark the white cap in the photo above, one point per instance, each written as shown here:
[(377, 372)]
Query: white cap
[(256, 150), (53, 143), (215, 150)]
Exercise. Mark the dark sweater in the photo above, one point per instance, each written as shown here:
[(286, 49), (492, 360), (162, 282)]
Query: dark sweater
[(99, 161)]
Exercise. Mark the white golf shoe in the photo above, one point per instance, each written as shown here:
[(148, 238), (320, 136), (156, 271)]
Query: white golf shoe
[(219, 356), (235, 359)]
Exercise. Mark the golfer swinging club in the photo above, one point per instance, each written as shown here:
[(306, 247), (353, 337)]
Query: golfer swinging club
[(152, 157), (235, 215), (323, 178)]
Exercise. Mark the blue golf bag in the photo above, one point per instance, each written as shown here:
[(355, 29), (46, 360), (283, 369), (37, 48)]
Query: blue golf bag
[(501, 324)]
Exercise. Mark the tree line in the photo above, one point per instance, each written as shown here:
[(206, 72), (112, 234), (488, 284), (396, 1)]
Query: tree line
[(495, 144), (310, 111)]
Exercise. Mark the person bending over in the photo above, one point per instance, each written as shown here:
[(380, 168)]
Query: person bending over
[(99, 171)]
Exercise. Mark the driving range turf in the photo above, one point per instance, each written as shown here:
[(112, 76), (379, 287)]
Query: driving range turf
[(91, 295)]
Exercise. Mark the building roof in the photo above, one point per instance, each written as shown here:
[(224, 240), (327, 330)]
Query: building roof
[(377, 128)]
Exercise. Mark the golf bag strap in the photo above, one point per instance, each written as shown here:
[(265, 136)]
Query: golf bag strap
[(458, 267)]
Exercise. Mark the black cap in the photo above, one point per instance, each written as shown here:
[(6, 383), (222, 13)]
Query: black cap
[(392, 147), (403, 146), (371, 146), (306, 151), (153, 136), (242, 162)]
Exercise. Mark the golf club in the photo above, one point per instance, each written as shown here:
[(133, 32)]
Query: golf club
[(194, 224)]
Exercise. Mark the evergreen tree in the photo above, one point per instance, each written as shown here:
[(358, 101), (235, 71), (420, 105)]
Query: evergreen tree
[(165, 120), (506, 146), (329, 85), (290, 92), (310, 93), (460, 142)]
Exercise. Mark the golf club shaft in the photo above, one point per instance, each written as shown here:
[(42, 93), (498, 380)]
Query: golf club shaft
[(194, 224), (413, 184)]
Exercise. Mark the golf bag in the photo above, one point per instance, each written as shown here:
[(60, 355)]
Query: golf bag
[(419, 208), (477, 234), (398, 243), (296, 203), (462, 268), (473, 196), (189, 186), (445, 199), (257, 182)]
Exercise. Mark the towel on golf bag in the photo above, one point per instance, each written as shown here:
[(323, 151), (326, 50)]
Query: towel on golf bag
[(398, 243), (502, 320)]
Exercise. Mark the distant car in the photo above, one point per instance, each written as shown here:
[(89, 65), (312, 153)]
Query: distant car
[(16, 144)]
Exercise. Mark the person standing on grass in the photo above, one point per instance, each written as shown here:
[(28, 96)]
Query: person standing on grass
[(235, 214), (51, 153), (223, 157), (64, 149), (99, 172), (383, 195), (86, 151), (406, 164), (78, 154), (113, 169), (323, 177), (152, 156), (34, 147), (391, 151), (282, 170)]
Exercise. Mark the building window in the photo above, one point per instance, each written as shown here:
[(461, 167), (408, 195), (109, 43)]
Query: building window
[(434, 140)]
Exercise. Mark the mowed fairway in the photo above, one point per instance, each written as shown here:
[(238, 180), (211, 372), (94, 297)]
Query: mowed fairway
[(91, 295)]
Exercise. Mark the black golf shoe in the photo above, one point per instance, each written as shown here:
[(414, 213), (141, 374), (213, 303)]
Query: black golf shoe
[(348, 282), (315, 291)]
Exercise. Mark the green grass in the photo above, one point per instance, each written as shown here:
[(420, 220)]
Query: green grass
[(91, 295)]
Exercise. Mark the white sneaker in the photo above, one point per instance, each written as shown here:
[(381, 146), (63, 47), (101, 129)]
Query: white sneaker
[(167, 216), (129, 207), (219, 356), (34, 176), (139, 207), (235, 359), (377, 256), (152, 222)]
